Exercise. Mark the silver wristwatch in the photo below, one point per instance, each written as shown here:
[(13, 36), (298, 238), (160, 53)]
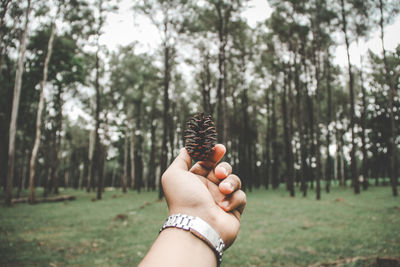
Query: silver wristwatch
[(200, 229)]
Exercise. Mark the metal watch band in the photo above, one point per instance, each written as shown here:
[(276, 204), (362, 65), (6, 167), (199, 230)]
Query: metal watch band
[(200, 229)]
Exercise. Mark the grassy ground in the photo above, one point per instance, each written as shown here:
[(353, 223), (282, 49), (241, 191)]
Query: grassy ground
[(276, 230)]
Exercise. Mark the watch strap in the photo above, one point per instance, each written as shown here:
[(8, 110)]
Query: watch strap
[(200, 229)]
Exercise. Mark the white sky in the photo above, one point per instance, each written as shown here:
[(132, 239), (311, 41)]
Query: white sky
[(122, 28)]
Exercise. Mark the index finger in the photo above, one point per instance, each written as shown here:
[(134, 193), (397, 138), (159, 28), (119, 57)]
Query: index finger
[(204, 167)]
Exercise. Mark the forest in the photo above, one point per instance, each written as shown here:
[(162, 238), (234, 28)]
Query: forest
[(74, 114)]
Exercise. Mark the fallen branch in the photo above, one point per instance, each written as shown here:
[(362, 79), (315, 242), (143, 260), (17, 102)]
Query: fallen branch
[(44, 199)]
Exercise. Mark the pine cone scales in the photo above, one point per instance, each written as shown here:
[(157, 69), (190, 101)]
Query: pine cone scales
[(200, 137)]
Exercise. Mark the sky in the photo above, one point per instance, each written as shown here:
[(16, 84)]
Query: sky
[(122, 28)]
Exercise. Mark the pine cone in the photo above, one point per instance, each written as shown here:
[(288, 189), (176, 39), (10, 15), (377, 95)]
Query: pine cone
[(200, 137)]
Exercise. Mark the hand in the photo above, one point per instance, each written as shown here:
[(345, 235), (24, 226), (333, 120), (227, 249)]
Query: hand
[(206, 190)]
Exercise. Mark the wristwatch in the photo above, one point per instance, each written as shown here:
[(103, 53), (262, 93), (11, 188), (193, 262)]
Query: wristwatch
[(200, 229)]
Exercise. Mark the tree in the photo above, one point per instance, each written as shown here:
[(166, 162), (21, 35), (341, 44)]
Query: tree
[(354, 175), (35, 149), (14, 114), (392, 149)]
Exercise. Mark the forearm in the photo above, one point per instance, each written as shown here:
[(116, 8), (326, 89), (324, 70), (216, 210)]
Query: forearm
[(177, 247)]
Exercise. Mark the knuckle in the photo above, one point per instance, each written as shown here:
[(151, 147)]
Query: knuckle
[(242, 197), (236, 180)]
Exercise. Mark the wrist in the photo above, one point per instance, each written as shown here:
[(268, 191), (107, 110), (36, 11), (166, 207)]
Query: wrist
[(175, 247), (200, 229)]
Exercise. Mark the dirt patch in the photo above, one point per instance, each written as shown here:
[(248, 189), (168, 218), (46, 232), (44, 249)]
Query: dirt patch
[(364, 261)]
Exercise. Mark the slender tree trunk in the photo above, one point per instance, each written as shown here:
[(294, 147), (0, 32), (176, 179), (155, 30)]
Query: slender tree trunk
[(90, 161), (15, 106), (32, 163), (222, 27), (152, 163), (206, 85), (132, 156), (96, 152), (102, 160), (125, 174), (138, 148), (329, 120), (364, 171), (268, 143), (392, 149), (353, 166), (274, 137), (58, 141), (299, 112), (317, 129), (287, 137)]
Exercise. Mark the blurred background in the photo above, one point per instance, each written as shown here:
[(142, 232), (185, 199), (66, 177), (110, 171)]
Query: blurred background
[(95, 95)]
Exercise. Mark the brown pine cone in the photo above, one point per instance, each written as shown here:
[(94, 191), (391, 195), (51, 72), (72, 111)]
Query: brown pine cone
[(200, 137)]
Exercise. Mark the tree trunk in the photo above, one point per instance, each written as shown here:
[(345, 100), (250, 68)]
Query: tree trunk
[(125, 174), (152, 163), (222, 28), (392, 149), (90, 160), (364, 167), (329, 120), (166, 81), (299, 112), (132, 157), (268, 143), (317, 130), (15, 106), (58, 130), (274, 137), (102, 160), (32, 163), (287, 137), (352, 105)]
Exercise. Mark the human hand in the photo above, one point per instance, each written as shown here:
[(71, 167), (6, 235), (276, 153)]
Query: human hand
[(208, 190)]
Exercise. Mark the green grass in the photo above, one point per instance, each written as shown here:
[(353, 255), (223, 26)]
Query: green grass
[(276, 230)]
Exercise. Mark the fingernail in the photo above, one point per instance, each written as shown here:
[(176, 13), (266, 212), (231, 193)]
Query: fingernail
[(225, 204), (224, 170), (228, 186)]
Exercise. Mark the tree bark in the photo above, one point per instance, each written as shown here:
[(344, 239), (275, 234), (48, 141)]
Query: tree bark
[(329, 120), (152, 163), (166, 81), (268, 143), (364, 167), (125, 173), (274, 137), (299, 112), (132, 157), (15, 106), (287, 137), (317, 129), (102, 160), (32, 163), (353, 163), (90, 160), (392, 149)]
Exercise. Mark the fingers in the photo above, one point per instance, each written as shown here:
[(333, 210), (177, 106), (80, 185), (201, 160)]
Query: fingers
[(236, 201), (220, 172), (202, 168), (230, 184)]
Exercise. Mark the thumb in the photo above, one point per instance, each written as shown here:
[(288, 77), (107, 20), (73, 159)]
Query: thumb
[(182, 161)]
